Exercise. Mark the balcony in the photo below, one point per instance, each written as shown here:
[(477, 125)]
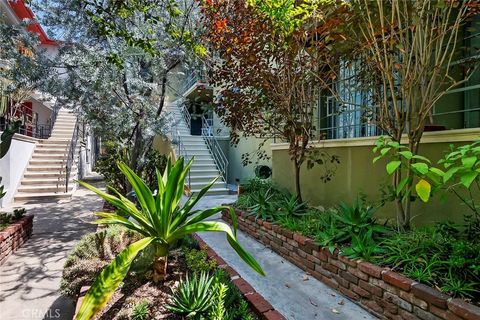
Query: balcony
[(197, 86)]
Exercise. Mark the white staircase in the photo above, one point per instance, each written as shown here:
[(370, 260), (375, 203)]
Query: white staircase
[(44, 178), (203, 169)]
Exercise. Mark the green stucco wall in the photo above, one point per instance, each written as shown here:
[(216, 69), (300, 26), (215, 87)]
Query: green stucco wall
[(236, 168), (356, 173)]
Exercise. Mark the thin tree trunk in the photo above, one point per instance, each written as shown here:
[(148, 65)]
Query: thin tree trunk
[(298, 189), (137, 148)]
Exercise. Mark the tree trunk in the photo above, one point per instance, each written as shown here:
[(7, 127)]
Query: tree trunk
[(137, 149), (161, 262), (298, 189)]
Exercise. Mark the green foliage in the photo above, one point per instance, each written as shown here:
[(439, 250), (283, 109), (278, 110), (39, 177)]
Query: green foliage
[(291, 206), (263, 207), (114, 153), (413, 166), (352, 224), (193, 296), (107, 165), (197, 261), (440, 256), (9, 218), (92, 253), (141, 311), (160, 219), (218, 310), (289, 15), (462, 173)]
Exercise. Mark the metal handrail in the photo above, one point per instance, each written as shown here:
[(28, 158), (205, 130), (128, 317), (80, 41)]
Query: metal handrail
[(221, 160), (71, 153), (181, 150), (186, 115)]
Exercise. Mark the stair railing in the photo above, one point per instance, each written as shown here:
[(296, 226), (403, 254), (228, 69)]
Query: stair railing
[(221, 160), (71, 154), (180, 149), (186, 115)]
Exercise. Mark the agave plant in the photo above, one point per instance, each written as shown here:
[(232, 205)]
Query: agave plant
[(161, 220), (194, 295)]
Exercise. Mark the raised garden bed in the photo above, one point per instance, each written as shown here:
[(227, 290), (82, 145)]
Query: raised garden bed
[(14, 235), (381, 291), (136, 288)]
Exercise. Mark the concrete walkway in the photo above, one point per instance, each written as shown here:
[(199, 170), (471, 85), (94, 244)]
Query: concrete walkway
[(292, 292), (30, 278)]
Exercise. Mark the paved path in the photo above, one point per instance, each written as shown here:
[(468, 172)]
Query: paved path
[(30, 278), (285, 286)]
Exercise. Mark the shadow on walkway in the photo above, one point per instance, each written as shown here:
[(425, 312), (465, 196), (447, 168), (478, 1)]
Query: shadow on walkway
[(30, 278)]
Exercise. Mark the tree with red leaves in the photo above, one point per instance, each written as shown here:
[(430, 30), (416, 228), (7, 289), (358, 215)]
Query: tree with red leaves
[(269, 72)]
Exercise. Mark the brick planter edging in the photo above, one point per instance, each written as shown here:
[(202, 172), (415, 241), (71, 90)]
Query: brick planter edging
[(13, 236), (383, 292), (259, 305), (256, 301)]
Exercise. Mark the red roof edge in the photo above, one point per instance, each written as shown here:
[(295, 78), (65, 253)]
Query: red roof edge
[(23, 12)]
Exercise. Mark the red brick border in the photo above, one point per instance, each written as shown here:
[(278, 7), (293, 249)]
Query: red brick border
[(258, 304), (383, 292), (13, 236)]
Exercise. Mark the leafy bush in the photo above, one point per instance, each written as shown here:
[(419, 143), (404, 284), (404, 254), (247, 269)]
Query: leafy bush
[(355, 225), (9, 218), (114, 153), (439, 256), (93, 252), (197, 261), (291, 206), (193, 296), (141, 310)]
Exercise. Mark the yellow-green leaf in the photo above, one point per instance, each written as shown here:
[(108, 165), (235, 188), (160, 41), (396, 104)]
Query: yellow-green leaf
[(109, 279), (423, 189)]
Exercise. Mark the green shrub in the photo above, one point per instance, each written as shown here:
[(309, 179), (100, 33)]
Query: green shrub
[(141, 311), (197, 261), (353, 225), (193, 296), (93, 252), (114, 152), (440, 256)]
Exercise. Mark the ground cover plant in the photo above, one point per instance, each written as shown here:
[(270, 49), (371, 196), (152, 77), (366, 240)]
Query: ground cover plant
[(162, 221), (7, 219), (191, 291), (445, 256)]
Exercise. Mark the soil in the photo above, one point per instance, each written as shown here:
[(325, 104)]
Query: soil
[(138, 288)]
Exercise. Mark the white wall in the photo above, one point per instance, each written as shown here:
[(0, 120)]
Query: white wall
[(13, 165)]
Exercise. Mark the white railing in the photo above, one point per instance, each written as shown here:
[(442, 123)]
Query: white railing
[(216, 151), (186, 115), (180, 149)]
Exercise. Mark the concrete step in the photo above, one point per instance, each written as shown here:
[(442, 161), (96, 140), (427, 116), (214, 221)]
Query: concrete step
[(199, 185), (45, 189), (194, 172), (58, 168), (48, 175), (40, 197), (204, 167), (49, 156), (46, 151), (47, 162), (195, 153), (203, 162), (204, 178), (60, 180), (213, 191), (57, 141)]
